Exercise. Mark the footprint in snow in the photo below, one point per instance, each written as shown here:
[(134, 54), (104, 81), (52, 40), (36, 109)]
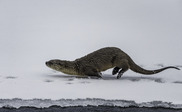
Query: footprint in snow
[(84, 82), (178, 82), (136, 79), (69, 83), (48, 81), (11, 77)]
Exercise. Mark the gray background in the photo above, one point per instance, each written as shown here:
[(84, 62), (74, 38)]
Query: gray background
[(34, 31)]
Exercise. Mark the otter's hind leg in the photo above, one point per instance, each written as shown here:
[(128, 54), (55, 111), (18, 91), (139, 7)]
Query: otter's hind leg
[(115, 70), (121, 72), (125, 66)]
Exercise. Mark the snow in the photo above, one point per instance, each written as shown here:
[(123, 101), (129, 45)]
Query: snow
[(33, 32), (131, 86), (82, 102)]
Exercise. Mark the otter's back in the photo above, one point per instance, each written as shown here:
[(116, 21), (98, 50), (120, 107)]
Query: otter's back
[(101, 59)]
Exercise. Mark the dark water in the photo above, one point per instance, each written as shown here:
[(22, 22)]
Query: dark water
[(89, 109)]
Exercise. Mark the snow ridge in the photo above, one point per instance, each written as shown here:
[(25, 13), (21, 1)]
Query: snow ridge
[(40, 103)]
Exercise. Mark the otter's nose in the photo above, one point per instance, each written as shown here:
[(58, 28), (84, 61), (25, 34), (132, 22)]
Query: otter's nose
[(48, 63)]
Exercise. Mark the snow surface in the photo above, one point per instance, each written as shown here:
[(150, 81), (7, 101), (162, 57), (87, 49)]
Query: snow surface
[(32, 32)]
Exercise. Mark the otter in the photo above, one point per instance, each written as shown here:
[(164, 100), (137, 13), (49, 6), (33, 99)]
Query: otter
[(96, 62)]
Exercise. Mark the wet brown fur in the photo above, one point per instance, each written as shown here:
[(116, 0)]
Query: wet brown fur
[(101, 60)]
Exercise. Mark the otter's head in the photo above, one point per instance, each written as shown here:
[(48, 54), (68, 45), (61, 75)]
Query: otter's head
[(62, 66), (56, 64)]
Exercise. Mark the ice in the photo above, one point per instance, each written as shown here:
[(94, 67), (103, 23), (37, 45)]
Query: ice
[(131, 86)]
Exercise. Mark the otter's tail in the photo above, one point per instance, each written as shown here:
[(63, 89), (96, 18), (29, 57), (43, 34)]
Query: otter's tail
[(134, 67)]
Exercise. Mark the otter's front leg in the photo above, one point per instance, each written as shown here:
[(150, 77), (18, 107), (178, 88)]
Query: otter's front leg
[(92, 72)]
